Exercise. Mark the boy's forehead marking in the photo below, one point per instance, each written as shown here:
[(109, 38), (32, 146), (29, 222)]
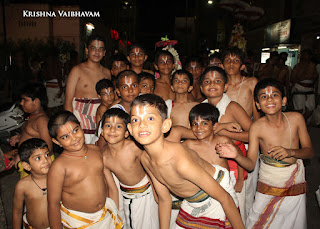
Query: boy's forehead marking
[(141, 111), (268, 91), (96, 44), (232, 56), (214, 74), (108, 90), (136, 51), (128, 80)]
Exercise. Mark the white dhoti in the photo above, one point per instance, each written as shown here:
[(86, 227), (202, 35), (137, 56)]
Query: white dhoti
[(85, 110), (140, 207), (53, 89), (107, 217), (202, 211), (280, 201), (303, 97)]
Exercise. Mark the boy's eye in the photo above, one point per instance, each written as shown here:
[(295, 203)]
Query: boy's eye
[(64, 137), (47, 155), (218, 81), (205, 123), (194, 124), (37, 158), (135, 85), (107, 125), (263, 97), (206, 81), (124, 87), (75, 130), (134, 120), (150, 119), (144, 86), (119, 126)]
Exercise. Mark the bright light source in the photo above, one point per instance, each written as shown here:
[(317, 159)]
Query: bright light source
[(265, 49), (318, 37), (217, 50), (90, 26), (282, 47), (126, 3), (210, 2)]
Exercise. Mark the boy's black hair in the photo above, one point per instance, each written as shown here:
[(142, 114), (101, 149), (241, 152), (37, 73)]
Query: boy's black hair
[(137, 45), (36, 91), (196, 59), (163, 53), (119, 57), (234, 51), (125, 73), (262, 84), (214, 69), (58, 119), (153, 101), (213, 56), (103, 84), (182, 72), (27, 148), (116, 112), (146, 75), (95, 38), (205, 111)]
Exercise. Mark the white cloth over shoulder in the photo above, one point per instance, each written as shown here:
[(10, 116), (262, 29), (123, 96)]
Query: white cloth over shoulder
[(169, 103), (222, 104)]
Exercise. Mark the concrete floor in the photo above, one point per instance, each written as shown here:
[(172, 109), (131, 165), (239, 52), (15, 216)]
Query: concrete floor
[(8, 179)]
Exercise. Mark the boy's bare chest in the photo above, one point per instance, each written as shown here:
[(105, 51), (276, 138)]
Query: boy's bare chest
[(163, 90), (277, 137), (29, 130)]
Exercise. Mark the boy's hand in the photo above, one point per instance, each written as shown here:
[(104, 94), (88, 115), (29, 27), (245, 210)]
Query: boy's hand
[(11, 154), (15, 160), (231, 126), (279, 153), (238, 186), (226, 150), (14, 139)]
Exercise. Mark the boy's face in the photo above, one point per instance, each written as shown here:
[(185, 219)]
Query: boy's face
[(118, 66), (270, 100), (165, 65), (147, 125), (128, 88), (96, 51), (107, 95), (232, 65), (28, 105), (213, 85), (39, 161), (214, 62), (202, 128), (137, 57), (146, 86), (181, 84), (70, 136), (195, 69), (114, 130)]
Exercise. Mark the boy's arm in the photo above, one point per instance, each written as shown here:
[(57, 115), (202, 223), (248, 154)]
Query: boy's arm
[(255, 113), (55, 184), (230, 126), (231, 151), (72, 82), (180, 132), (18, 200), (111, 186), (98, 116), (191, 171), (42, 126), (239, 183), (306, 150)]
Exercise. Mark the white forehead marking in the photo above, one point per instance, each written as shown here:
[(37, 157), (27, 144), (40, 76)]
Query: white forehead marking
[(118, 64), (114, 119), (193, 65), (128, 80), (142, 113), (136, 51), (269, 91), (109, 91), (165, 59)]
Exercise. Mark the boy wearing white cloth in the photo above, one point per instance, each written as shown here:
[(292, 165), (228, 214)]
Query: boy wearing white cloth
[(122, 156), (79, 185), (281, 192)]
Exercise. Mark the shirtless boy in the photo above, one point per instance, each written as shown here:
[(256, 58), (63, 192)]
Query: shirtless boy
[(304, 81), (122, 157), (81, 96), (137, 56), (179, 108), (78, 183), (105, 90), (172, 167), (281, 194), (195, 66), (164, 63), (214, 83), (119, 64), (240, 88), (34, 102), (32, 190)]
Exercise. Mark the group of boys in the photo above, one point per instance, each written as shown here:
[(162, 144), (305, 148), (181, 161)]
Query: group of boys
[(153, 179)]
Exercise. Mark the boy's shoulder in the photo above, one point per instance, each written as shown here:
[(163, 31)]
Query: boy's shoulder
[(250, 82), (23, 184)]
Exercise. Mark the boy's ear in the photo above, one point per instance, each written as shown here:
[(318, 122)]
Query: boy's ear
[(258, 106), (166, 125), (156, 67), (172, 88), (129, 128), (222, 66), (126, 134), (26, 166), (118, 92), (87, 51), (284, 101), (226, 87), (201, 88), (145, 57), (243, 66), (190, 88), (128, 58), (56, 142), (99, 96)]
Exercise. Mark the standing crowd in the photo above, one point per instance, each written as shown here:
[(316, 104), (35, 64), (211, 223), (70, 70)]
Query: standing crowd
[(200, 147)]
